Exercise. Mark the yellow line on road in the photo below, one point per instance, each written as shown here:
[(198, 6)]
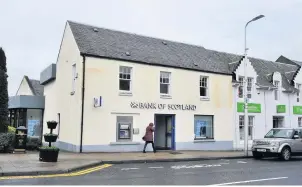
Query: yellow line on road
[(77, 173)]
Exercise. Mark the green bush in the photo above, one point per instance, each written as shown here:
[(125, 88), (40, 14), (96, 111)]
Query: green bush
[(11, 129), (33, 143), (7, 142)]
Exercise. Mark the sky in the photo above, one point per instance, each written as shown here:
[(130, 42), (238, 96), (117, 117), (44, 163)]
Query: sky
[(31, 30)]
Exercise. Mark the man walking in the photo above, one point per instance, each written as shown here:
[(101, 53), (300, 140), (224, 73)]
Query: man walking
[(148, 138)]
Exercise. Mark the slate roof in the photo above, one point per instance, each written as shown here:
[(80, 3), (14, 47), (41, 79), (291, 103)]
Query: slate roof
[(35, 86), (106, 43)]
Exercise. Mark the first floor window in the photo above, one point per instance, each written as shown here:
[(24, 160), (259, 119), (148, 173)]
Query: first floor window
[(298, 93), (203, 127), (299, 121), (249, 87), (165, 82), (203, 86), (250, 127), (124, 128), (276, 91), (125, 78), (240, 88)]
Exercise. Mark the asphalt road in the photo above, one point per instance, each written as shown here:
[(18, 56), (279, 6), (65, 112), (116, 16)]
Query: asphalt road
[(222, 172)]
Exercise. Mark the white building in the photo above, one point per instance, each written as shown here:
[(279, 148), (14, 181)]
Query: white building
[(274, 99), (107, 86)]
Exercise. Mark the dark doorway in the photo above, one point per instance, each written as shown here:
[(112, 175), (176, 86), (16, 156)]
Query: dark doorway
[(164, 135)]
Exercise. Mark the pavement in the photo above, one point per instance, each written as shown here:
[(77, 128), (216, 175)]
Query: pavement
[(206, 172), (29, 164)]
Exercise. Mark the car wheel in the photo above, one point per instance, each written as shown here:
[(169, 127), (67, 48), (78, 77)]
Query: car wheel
[(257, 156), (285, 154)]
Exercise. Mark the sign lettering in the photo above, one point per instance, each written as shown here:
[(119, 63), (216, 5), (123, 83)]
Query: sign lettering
[(140, 105)]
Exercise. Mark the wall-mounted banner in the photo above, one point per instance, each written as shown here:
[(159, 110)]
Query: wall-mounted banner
[(252, 107), (142, 105), (297, 110), (281, 108)]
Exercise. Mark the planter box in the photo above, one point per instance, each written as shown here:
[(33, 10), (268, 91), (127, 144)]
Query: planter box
[(52, 138), (52, 125), (48, 155)]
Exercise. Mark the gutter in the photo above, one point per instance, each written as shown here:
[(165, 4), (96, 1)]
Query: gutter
[(83, 99)]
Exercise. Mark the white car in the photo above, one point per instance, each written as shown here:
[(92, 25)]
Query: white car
[(279, 142)]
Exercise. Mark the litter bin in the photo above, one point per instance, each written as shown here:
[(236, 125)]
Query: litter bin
[(20, 139)]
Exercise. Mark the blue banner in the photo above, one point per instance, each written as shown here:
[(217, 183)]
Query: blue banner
[(33, 127)]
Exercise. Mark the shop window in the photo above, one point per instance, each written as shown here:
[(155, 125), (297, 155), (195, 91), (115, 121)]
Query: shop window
[(250, 127), (165, 81), (124, 128), (125, 76), (299, 121), (204, 87), (34, 122), (278, 121), (203, 127), (240, 88)]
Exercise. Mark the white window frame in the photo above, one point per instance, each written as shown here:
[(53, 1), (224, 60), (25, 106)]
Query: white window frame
[(163, 75), (299, 121), (123, 72), (277, 90), (298, 86), (241, 86), (251, 122), (250, 82), (201, 78), (74, 76)]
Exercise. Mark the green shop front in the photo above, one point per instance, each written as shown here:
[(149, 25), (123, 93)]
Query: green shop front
[(27, 111)]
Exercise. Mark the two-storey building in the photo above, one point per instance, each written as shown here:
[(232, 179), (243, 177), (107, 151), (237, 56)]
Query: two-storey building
[(107, 86)]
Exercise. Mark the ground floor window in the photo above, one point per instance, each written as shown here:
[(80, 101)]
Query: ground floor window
[(203, 127), (250, 127), (124, 128), (299, 121), (278, 121)]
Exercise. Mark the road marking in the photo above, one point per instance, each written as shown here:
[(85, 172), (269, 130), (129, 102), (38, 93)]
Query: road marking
[(241, 162), (249, 181), (77, 173), (159, 167), (224, 163), (129, 168), (195, 166)]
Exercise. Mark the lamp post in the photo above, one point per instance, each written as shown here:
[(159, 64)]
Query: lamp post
[(245, 89)]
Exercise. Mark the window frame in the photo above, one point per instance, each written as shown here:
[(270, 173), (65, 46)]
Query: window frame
[(126, 92), (204, 137), (207, 87), (277, 90), (241, 87), (298, 86), (299, 121), (74, 77), (250, 83), (121, 120), (169, 84), (250, 126)]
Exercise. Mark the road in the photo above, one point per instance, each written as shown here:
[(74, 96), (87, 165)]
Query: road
[(212, 172)]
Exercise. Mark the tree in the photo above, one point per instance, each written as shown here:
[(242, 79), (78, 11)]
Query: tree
[(3, 92)]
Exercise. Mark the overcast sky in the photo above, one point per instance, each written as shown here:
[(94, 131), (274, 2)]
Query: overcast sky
[(31, 30)]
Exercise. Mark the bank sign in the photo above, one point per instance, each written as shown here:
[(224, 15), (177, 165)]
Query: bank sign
[(146, 105), (252, 107)]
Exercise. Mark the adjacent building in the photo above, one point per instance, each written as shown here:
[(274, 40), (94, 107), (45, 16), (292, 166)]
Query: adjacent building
[(107, 86)]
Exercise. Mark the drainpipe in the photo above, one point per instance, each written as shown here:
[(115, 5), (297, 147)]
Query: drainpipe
[(289, 107), (265, 122), (83, 99)]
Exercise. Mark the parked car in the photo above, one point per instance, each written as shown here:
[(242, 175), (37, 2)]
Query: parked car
[(279, 142)]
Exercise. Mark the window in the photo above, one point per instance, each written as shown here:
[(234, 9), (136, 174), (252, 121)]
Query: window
[(125, 78), (299, 121), (276, 84), (165, 82), (250, 127), (240, 88), (74, 76), (204, 87), (249, 87), (298, 93), (278, 121), (203, 127), (124, 128)]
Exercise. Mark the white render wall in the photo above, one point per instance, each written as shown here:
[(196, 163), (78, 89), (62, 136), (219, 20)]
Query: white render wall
[(263, 121)]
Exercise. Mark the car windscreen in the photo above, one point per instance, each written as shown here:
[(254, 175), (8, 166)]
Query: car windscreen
[(279, 133)]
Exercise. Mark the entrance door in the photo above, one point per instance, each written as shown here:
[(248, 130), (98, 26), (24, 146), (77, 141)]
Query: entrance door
[(164, 132)]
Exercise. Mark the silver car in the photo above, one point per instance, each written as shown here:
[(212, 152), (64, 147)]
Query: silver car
[(279, 142)]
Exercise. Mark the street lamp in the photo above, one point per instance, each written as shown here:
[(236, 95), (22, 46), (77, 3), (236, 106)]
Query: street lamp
[(245, 89)]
